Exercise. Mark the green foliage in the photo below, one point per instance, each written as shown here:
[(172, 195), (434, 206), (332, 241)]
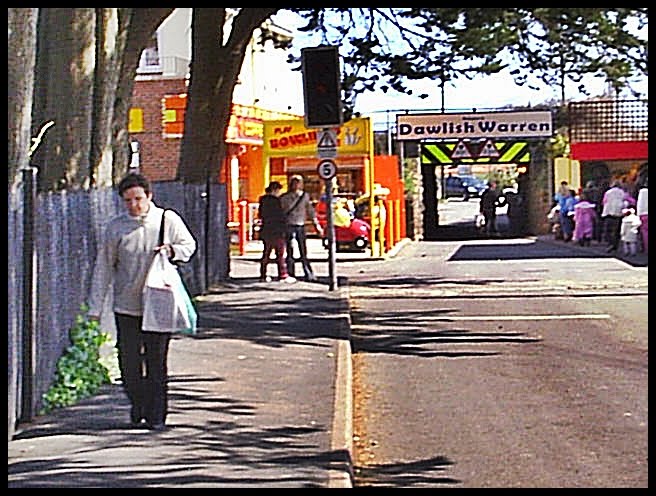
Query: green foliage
[(559, 145), (383, 49), (409, 177), (80, 371)]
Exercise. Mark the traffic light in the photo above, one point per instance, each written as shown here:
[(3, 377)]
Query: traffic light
[(321, 86)]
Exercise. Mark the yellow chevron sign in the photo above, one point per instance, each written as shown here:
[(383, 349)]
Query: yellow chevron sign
[(510, 152)]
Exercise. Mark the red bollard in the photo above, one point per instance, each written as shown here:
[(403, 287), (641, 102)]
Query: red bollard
[(397, 221), (243, 226), (389, 225)]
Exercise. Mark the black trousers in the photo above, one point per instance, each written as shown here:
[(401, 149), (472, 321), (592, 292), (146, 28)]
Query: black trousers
[(613, 225), (490, 221), (142, 358)]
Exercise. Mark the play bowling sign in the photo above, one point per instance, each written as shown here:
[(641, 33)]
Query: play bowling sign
[(290, 138), (491, 125)]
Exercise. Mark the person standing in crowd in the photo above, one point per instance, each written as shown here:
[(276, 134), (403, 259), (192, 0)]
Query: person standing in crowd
[(566, 200), (488, 207), (560, 197), (297, 207), (129, 244), (613, 204), (585, 217), (516, 212), (563, 189), (641, 212), (594, 195), (629, 231), (562, 193), (273, 232)]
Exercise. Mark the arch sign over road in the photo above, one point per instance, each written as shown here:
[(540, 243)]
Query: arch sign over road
[(534, 124)]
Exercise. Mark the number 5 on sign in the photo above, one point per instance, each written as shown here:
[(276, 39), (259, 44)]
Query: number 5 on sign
[(327, 169)]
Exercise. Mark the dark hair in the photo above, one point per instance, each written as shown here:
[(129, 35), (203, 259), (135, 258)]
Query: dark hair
[(131, 180), (273, 185)]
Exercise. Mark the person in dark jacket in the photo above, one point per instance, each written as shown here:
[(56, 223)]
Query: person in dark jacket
[(273, 232), (594, 195), (516, 212), (488, 207)]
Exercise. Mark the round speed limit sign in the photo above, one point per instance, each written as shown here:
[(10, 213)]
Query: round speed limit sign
[(327, 169)]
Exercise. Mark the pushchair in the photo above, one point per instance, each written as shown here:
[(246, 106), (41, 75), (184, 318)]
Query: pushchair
[(554, 219)]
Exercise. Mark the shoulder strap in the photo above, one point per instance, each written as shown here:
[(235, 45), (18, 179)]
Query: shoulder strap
[(298, 201), (161, 229)]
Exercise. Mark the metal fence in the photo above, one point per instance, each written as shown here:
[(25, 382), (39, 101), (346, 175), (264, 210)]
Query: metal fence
[(66, 228), (608, 120)]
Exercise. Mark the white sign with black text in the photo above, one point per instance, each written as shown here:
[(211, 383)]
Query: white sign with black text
[(530, 124)]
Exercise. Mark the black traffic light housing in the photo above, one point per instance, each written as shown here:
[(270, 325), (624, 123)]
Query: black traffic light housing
[(322, 86)]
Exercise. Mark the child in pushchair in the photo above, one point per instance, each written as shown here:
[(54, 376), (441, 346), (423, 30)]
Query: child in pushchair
[(554, 220)]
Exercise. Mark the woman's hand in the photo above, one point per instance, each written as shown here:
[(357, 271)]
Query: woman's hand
[(168, 248)]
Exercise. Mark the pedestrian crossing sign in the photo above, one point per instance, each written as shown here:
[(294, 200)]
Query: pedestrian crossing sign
[(461, 151), (489, 150), (327, 139)]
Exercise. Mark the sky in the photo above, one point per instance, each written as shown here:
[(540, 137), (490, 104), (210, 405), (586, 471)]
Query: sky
[(484, 92), (463, 95)]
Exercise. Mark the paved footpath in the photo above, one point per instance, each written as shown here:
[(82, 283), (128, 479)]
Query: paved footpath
[(260, 397)]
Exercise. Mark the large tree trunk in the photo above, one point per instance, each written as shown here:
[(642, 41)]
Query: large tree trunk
[(214, 71), (86, 61), (65, 66), (21, 56), (110, 47), (88, 57)]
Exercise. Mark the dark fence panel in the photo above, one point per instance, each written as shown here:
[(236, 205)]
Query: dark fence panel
[(66, 249), (67, 229), (189, 202), (218, 236), (14, 306)]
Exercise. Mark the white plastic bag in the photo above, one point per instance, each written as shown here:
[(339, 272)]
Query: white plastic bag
[(164, 306), (479, 221)]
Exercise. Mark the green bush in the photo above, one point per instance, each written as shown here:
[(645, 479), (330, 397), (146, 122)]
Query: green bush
[(80, 371)]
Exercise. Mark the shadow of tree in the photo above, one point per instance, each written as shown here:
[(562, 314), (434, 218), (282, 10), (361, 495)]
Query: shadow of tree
[(411, 474), (224, 433), (224, 450), (273, 322), (411, 333)]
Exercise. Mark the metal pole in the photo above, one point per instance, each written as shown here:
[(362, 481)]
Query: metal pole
[(389, 134), (29, 295), (206, 241), (330, 225), (371, 185), (442, 88)]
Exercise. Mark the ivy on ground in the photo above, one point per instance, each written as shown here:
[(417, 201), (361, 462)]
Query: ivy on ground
[(80, 371)]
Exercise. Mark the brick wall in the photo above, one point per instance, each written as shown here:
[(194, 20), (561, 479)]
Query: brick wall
[(159, 156)]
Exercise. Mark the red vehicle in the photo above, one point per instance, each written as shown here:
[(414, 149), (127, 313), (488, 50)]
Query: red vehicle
[(351, 234)]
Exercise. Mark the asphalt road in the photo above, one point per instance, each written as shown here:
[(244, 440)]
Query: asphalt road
[(499, 363)]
